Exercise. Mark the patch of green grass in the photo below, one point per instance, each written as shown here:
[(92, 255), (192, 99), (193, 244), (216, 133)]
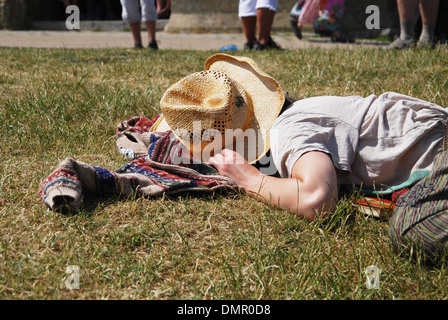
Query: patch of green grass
[(56, 103)]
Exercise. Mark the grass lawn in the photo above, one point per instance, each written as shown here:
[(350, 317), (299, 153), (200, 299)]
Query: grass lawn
[(56, 103)]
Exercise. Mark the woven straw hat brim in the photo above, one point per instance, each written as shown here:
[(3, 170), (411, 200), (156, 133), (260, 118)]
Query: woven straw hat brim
[(266, 94)]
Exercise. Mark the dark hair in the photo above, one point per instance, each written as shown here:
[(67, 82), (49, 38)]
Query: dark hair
[(288, 102)]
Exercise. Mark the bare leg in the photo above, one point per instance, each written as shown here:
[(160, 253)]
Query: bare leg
[(136, 32), (265, 18), (249, 26), (407, 10), (151, 27), (428, 11)]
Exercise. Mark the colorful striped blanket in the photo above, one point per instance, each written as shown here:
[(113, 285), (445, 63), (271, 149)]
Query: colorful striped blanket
[(160, 165)]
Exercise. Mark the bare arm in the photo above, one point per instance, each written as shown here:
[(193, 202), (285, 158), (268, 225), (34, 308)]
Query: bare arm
[(311, 190), (161, 8)]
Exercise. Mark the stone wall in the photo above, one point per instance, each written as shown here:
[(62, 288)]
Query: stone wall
[(211, 16)]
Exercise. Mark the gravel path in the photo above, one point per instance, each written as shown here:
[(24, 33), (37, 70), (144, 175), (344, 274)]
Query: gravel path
[(121, 39)]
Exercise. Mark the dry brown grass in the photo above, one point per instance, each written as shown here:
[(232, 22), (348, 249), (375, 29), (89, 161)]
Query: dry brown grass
[(56, 103)]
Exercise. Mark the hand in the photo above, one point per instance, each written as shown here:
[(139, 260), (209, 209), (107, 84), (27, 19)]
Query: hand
[(234, 166)]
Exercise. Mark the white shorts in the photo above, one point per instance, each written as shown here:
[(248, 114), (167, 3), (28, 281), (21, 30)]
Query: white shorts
[(249, 8), (131, 11)]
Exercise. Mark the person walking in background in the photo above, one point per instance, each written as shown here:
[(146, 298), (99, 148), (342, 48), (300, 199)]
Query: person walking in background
[(133, 14), (303, 12), (258, 13), (330, 20), (408, 13), (324, 15)]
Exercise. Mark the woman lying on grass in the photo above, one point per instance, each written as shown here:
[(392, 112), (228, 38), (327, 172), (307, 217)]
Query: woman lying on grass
[(232, 113), (382, 144), (322, 142)]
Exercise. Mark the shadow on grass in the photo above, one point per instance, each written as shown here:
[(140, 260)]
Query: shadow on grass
[(93, 202)]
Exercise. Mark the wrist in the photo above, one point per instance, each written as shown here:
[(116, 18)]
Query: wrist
[(254, 182)]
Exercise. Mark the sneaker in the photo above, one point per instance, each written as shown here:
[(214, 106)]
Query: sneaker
[(138, 46), (153, 45), (400, 44), (425, 44)]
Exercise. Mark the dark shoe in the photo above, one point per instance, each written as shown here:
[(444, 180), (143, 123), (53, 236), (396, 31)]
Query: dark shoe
[(270, 45), (138, 46), (341, 38), (153, 45), (258, 46), (295, 28), (248, 46)]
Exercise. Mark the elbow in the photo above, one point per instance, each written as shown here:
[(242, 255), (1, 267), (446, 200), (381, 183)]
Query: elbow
[(319, 204)]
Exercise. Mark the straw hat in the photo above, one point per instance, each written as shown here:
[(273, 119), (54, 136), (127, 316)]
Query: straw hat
[(231, 104)]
